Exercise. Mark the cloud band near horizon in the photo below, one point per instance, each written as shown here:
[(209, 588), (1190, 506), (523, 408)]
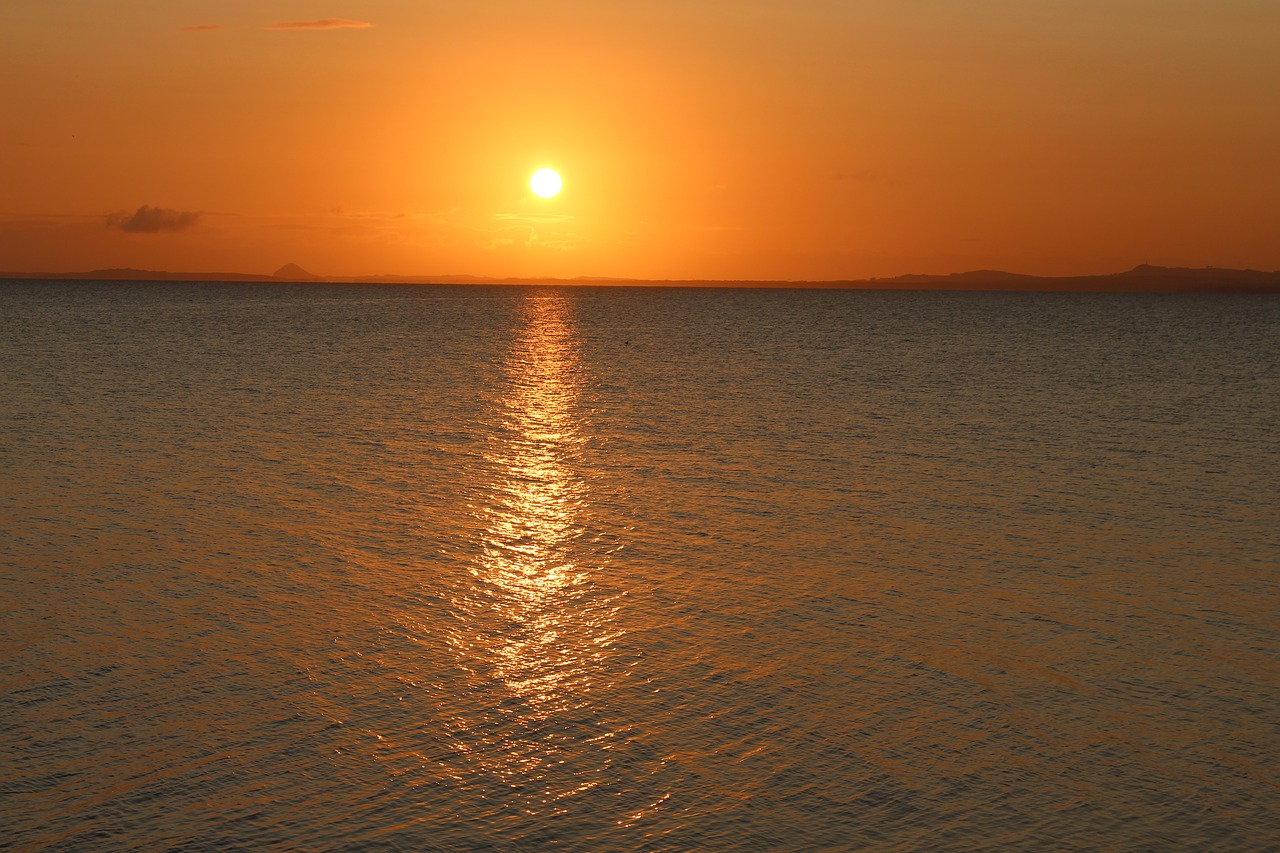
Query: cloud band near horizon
[(321, 24), (152, 220)]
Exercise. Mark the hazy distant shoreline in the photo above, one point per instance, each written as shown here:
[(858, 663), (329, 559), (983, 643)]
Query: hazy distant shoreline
[(1141, 279)]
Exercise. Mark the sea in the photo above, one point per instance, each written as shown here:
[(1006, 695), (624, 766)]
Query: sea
[(335, 567)]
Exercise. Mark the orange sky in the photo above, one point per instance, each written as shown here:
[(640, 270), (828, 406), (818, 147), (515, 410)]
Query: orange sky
[(755, 139)]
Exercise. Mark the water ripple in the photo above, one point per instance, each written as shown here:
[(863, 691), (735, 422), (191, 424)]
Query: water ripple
[(386, 568)]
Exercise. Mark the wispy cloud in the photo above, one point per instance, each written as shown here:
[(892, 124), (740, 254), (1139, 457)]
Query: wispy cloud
[(152, 220), (322, 24), (532, 218), (202, 28), (526, 236), (497, 238)]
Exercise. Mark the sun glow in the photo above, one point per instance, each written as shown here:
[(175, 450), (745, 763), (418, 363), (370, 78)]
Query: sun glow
[(546, 183)]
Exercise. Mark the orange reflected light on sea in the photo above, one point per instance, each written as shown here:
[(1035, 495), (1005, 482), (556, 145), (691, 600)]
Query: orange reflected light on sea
[(534, 619)]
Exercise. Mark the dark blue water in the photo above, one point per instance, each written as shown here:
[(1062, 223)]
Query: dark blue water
[(338, 567)]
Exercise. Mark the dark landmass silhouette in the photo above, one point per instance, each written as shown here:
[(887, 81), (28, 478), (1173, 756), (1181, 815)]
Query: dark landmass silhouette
[(1143, 278), (129, 274), (293, 272)]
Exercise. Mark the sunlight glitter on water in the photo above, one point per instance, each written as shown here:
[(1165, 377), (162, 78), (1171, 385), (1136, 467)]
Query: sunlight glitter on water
[(524, 622)]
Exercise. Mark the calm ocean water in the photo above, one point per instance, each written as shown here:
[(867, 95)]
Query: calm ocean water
[(431, 568)]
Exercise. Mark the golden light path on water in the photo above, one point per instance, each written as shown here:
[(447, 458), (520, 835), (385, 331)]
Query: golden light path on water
[(534, 621)]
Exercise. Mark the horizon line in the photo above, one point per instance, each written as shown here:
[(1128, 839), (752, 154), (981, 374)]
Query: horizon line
[(1141, 278)]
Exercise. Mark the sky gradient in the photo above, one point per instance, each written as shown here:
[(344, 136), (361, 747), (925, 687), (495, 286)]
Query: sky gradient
[(750, 139)]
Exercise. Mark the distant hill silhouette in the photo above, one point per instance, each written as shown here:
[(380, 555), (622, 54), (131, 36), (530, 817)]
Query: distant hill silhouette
[(1143, 278), (974, 275), (128, 274), (293, 272)]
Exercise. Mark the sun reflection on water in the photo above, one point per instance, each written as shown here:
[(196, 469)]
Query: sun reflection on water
[(535, 625)]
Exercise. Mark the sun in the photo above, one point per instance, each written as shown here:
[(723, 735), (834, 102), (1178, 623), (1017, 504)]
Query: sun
[(546, 183)]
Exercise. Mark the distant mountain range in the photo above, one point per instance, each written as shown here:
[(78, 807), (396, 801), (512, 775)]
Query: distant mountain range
[(1142, 279)]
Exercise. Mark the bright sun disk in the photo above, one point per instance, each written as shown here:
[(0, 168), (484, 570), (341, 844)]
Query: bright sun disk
[(545, 183)]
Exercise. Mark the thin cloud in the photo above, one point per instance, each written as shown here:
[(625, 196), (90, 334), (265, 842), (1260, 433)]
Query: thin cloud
[(202, 28), (152, 220), (526, 236), (532, 218), (522, 235), (322, 24)]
